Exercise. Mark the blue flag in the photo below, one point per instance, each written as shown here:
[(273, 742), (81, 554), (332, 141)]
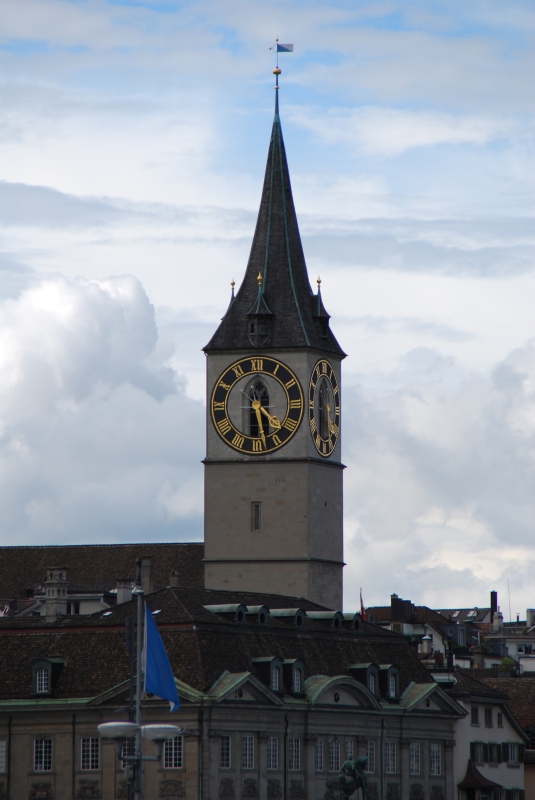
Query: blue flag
[(285, 48), (159, 678)]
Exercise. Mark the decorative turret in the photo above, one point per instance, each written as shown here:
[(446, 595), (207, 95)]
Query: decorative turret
[(275, 307)]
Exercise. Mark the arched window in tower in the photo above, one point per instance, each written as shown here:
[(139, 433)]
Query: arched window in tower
[(258, 392), (324, 408)]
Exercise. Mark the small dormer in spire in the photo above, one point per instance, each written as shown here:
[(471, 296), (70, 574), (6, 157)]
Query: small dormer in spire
[(283, 305)]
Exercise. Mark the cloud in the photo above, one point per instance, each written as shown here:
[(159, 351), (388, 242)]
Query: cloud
[(439, 500), (97, 436), (389, 132)]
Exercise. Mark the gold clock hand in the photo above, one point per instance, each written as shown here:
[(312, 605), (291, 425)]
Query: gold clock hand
[(273, 421), (331, 422), (257, 406)]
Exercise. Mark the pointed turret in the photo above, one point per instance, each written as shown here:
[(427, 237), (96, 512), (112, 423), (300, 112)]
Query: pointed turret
[(275, 306)]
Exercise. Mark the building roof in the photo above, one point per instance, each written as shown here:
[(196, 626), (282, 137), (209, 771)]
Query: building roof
[(521, 696), (422, 614), (98, 566), (464, 614), (201, 645), (467, 686), (284, 298), (475, 780)]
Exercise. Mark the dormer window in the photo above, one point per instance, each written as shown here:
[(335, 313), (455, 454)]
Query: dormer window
[(42, 680), (371, 682), (323, 331), (392, 687)]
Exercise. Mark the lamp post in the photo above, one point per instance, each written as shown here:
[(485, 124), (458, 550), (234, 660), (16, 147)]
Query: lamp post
[(119, 731)]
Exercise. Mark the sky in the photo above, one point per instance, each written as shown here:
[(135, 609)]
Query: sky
[(133, 141)]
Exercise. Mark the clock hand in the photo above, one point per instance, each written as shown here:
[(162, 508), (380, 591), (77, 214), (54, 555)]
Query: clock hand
[(331, 423), (256, 405), (273, 421)]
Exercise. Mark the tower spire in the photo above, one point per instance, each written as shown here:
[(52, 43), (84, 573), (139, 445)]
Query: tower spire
[(283, 306)]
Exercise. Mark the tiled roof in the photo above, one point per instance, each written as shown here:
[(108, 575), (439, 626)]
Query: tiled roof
[(201, 646), (421, 614), (285, 297), (98, 566), (521, 694), (475, 780)]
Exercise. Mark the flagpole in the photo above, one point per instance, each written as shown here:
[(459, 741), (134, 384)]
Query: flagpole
[(139, 643)]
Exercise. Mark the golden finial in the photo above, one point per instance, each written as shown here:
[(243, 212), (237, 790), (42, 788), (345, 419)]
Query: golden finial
[(232, 284), (260, 279), (318, 281)]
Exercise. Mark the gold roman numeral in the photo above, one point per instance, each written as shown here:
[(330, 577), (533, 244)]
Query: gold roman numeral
[(334, 429), (290, 424), (224, 385), (313, 426), (238, 371), (337, 410), (276, 439), (335, 390), (224, 426), (257, 364), (238, 440), (311, 405), (295, 404), (324, 367), (324, 448), (257, 445), (276, 369), (318, 441), (290, 383), (219, 406)]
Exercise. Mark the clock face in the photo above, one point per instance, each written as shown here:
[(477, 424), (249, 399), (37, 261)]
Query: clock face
[(257, 405), (324, 408)]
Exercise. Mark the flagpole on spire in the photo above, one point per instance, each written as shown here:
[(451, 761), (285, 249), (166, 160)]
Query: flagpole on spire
[(279, 48)]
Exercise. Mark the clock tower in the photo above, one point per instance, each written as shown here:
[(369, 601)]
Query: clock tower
[(273, 471)]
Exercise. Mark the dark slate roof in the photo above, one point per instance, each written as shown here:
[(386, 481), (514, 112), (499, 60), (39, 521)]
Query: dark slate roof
[(521, 694), (285, 296), (475, 780), (468, 686), (98, 566), (200, 645)]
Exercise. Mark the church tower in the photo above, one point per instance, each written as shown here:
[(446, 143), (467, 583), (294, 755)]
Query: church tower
[(273, 471)]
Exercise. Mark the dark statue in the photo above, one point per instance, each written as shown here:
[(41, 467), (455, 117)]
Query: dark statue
[(352, 776)]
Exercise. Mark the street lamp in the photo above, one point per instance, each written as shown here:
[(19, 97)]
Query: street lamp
[(119, 731)]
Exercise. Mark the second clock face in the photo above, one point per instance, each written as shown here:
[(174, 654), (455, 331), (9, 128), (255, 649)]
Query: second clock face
[(257, 405), (324, 408)]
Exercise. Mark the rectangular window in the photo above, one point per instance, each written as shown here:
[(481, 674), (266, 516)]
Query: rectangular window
[(500, 719), (128, 749), (294, 754), (297, 680), (224, 752), (512, 754), (390, 758), (319, 755), (90, 752), (2, 755), (273, 753), (392, 685), (256, 516), (414, 758), (493, 753), (488, 718), (334, 755), (247, 752), (475, 715), (275, 678), (350, 750), (370, 754), (436, 759), (172, 753), (42, 755), (461, 636), (42, 681), (479, 753)]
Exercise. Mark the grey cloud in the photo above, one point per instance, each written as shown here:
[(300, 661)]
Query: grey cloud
[(386, 326)]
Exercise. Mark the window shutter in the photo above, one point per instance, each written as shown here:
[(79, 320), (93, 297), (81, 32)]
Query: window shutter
[(505, 752), (473, 751), (498, 753), (486, 753)]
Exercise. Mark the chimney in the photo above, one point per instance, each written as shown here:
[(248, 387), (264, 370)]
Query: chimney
[(493, 604), (497, 622), (124, 590), (530, 617), (479, 658), (55, 592), (174, 584), (147, 574)]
